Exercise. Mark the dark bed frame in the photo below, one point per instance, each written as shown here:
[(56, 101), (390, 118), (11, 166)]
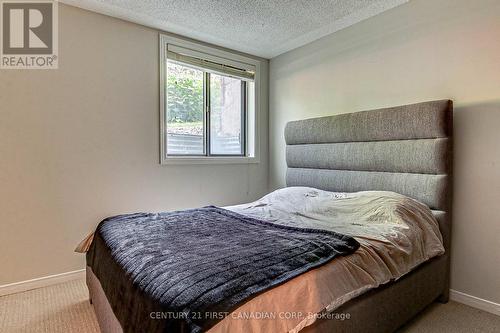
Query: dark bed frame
[(405, 149)]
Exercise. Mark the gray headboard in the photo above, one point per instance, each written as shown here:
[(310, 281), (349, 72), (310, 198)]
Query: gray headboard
[(405, 149)]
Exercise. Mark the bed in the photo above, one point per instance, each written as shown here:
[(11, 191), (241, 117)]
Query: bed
[(405, 149)]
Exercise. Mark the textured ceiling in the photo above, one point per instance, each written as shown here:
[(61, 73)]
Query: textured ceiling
[(258, 27)]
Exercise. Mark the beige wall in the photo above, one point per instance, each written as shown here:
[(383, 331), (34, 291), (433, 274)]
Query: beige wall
[(423, 50), (81, 143)]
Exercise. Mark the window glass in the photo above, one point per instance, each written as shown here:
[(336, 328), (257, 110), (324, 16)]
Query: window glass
[(185, 111), (226, 115)]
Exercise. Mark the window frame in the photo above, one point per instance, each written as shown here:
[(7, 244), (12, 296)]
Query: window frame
[(251, 142)]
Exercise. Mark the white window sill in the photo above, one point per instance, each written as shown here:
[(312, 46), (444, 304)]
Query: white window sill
[(209, 160)]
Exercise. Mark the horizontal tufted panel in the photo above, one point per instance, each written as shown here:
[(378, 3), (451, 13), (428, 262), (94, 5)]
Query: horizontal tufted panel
[(406, 149), (429, 156), (416, 121), (429, 189)]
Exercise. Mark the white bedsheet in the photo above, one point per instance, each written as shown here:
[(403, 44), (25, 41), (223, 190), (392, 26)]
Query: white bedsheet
[(396, 234)]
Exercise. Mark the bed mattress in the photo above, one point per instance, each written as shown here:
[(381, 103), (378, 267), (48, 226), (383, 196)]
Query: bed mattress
[(395, 233)]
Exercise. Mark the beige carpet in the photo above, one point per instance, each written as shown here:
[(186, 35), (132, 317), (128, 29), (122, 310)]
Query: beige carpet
[(56, 309), (65, 308), (452, 317)]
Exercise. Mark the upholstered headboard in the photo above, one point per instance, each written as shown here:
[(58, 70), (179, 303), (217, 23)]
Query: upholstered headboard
[(405, 149)]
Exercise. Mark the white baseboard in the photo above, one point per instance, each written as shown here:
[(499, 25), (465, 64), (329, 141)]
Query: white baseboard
[(475, 302), (45, 281)]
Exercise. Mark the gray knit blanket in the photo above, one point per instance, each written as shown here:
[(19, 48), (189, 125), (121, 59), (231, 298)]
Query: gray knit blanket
[(183, 271)]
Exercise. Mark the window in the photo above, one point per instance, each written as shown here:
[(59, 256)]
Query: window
[(207, 105)]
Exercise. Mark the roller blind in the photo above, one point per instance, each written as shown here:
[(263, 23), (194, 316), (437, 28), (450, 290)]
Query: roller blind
[(211, 63)]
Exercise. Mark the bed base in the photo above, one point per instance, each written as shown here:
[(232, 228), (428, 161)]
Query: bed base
[(387, 308), (108, 323), (380, 310)]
